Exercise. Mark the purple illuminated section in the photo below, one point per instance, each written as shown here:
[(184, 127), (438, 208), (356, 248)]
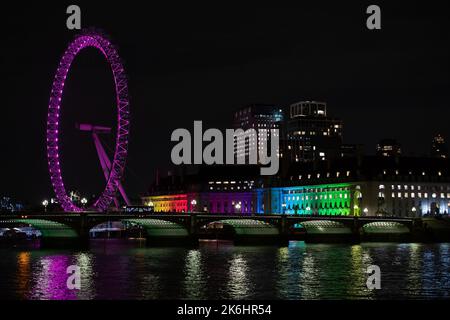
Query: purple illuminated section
[(95, 40)]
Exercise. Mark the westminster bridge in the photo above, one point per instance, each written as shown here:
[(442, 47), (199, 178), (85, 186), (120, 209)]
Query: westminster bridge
[(176, 228)]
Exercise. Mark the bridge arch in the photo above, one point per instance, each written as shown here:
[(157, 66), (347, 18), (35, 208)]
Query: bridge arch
[(159, 227), (318, 227), (385, 227), (245, 227), (48, 228)]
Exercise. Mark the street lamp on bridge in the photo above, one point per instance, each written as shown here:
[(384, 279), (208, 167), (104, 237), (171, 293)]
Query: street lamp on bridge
[(193, 204), (83, 202), (45, 204), (238, 207)]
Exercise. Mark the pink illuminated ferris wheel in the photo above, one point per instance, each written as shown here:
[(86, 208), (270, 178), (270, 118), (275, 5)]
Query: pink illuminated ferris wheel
[(113, 169)]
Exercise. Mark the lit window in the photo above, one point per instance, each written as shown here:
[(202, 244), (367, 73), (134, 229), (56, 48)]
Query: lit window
[(399, 195), (406, 194), (413, 195), (434, 195), (393, 195)]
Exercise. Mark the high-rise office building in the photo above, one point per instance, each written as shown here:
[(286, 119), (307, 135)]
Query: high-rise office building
[(439, 147), (311, 135), (260, 117), (389, 148)]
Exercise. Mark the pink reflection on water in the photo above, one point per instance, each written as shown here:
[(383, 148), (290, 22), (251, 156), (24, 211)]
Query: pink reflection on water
[(51, 279)]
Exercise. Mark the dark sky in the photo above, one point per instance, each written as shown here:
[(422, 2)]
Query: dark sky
[(201, 63)]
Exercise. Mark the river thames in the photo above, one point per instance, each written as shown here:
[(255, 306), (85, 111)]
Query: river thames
[(121, 269)]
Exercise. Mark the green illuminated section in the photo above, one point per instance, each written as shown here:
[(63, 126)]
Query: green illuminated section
[(49, 229), (326, 199), (160, 228)]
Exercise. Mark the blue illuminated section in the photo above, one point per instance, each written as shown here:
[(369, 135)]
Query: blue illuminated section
[(329, 200), (259, 201)]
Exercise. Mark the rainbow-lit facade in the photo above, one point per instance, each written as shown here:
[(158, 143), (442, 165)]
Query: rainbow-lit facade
[(376, 197), (327, 199)]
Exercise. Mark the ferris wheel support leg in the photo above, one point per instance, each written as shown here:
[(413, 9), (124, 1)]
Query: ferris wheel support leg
[(101, 156), (106, 167)]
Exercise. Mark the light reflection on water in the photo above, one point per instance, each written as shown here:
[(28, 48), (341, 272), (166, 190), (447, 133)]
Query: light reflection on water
[(127, 270)]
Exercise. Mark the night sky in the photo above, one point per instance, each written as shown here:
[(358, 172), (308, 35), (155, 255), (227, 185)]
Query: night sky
[(201, 63)]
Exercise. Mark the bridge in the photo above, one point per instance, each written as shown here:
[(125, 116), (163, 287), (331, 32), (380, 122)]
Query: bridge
[(160, 229)]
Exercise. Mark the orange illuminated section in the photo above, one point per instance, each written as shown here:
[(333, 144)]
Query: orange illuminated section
[(169, 203)]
